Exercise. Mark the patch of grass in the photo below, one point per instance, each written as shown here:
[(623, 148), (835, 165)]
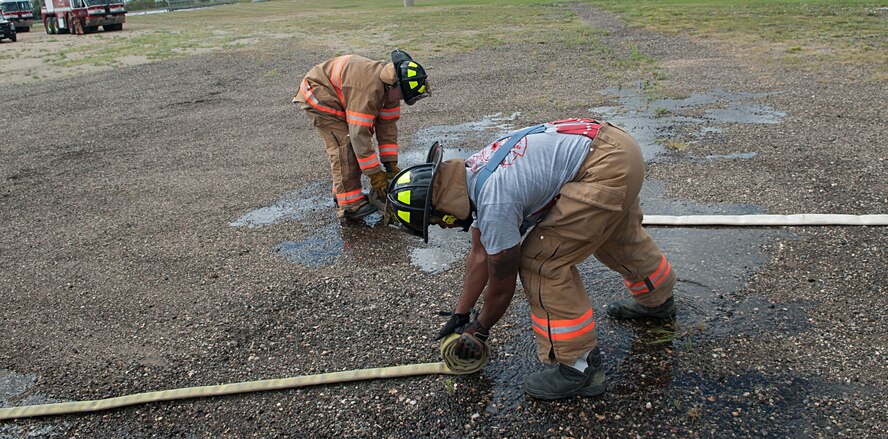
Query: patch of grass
[(845, 31), (374, 26), (672, 144), (636, 60), (159, 45), (367, 27), (673, 331)]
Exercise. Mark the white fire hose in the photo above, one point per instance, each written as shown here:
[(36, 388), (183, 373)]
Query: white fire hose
[(805, 219)]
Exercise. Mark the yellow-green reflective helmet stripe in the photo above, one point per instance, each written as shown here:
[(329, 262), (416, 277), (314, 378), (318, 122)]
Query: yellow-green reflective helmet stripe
[(404, 179), (404, 197), (404, 215)]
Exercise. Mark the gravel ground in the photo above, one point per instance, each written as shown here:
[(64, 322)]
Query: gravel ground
[(120, 272)]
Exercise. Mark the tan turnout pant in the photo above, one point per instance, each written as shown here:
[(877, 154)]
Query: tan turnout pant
[(343, 163), (597, 214)]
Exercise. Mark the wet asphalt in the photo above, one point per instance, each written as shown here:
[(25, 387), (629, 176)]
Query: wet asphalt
[(171, 226)]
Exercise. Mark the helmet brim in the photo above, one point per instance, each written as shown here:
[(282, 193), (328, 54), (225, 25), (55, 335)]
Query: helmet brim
[(435, 156)]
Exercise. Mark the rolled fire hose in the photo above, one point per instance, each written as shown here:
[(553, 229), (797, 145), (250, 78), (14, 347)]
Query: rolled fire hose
[(451, 365)]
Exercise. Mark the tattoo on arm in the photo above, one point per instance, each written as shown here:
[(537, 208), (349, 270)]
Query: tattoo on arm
[(504, 264)]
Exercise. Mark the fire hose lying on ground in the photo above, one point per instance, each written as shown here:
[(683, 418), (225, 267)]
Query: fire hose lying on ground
[(450, 364)]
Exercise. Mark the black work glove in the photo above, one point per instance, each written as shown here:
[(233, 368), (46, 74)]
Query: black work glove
[(379, 184), (391, 169), (456, 324), (470, 345)]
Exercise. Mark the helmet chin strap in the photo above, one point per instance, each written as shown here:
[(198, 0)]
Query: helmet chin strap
[(464, 223)]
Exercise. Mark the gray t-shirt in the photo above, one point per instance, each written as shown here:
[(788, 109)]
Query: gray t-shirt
[(523, 184)]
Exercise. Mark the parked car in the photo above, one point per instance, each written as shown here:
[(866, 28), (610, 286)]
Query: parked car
[(7, 29)]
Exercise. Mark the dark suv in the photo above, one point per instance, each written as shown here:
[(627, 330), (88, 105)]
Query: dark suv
[(7, 29)]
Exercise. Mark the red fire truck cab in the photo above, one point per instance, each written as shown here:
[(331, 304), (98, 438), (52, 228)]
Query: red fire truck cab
[(19, 12), (82, 16)]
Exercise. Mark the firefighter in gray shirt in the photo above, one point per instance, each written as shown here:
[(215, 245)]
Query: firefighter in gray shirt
[(576, 182)]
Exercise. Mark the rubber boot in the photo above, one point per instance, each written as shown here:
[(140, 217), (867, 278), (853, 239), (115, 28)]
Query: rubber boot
[(628, 309), (359, 212), (564, 381)]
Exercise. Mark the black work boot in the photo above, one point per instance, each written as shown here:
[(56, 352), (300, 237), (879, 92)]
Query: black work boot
[(564, 381), (629, 309), (359, 212)]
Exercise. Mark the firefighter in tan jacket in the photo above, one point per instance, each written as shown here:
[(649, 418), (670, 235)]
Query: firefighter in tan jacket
[(349, 99), (538, 202)]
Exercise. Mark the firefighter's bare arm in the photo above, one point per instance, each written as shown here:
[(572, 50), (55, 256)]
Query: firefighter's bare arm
[(476, 275), (476, 279), (502, 270), (502, 274)]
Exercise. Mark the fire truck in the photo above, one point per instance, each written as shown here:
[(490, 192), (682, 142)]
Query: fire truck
[(82, 16), (18, 12)]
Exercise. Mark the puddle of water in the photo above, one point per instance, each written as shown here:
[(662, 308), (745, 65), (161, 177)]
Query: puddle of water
[(460, 140), (12, 385), (320, 250), (312, 203), (745, 113), (653, 121), (734, 156), (292, 206), (445, 247)]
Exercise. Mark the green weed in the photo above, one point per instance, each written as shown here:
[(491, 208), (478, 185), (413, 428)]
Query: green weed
[(673, 331), (449, 386)]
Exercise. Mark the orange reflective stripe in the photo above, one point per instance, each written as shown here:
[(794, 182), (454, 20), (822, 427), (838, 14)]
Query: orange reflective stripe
[(337, 77), (390, 113), (573, 334), (656, 273), (360, 115), (314, 102), (388, 149), (368, 162), (353, 117), (359, 122), (573, 322), (655, 279), (350, 197), (356, 200), (564, 329)]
